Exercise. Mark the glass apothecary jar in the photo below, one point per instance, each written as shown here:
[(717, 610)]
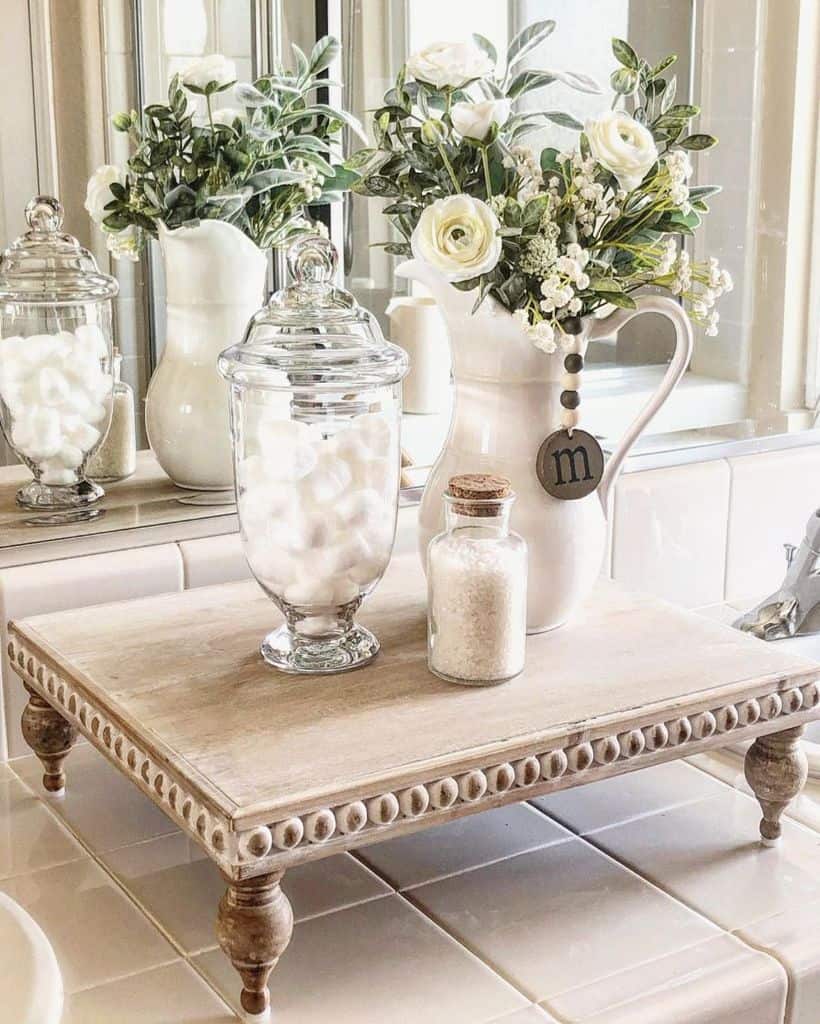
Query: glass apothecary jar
[(55, 358), (315, 416)]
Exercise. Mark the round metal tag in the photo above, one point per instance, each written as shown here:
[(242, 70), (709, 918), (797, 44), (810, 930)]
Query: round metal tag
[(570, 467)]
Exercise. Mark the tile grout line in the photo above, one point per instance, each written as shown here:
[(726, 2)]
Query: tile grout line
[(96, 859), (439, 926)]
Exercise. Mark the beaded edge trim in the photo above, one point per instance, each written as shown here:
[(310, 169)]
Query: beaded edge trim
[(332, 826)]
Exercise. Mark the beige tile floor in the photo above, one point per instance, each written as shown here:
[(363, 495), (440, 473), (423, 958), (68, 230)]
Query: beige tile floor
[(641, 900)]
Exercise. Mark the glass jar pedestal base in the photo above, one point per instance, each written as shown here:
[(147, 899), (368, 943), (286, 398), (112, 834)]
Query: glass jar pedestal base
[(77, 495), (290, 651)]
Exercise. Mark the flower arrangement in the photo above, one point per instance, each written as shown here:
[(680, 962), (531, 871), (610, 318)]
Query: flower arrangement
[(256, 165), (550, 235)]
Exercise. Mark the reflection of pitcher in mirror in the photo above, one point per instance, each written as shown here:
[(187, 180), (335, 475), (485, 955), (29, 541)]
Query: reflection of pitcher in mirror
[(417, 326)]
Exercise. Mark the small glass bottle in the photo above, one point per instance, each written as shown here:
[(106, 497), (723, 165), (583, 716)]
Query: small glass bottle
[(477, 585), (116, 458)]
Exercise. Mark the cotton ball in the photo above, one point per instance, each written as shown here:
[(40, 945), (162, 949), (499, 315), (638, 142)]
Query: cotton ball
[(362, 508), (381, 541), (344, 591), (367, 571), (374, 429), (44, 349), (314, 593), (97, 412), (275, 567), (350, 446), (54, 473), (278, 433), (38, 435), (352, 550), (328, 481), (288, 536), (291, 461), (317, 625), (71, 456), (77, 402), (76, 431), (51, 386), (380, 474), (102, 387), (93, 339)]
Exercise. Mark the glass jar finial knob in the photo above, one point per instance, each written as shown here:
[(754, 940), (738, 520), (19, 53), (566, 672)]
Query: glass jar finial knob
[(44, 214), (312, 262)]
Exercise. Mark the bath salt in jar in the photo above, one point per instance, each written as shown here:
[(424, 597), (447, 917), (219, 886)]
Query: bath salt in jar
[(477, 583)]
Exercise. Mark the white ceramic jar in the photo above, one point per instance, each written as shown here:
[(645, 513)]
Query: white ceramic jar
[(315, 416)]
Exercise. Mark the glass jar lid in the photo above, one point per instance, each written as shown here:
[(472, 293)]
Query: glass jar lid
[(46, 266), (312, 334)]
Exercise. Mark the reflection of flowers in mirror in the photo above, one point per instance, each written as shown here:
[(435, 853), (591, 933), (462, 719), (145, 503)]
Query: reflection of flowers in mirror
[(255, 161)]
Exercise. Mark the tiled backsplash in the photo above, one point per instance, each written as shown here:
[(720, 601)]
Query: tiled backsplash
[(698, 534), (710, 532)]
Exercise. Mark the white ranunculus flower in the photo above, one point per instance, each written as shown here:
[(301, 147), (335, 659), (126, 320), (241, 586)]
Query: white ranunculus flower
[(227, 115), (622, 145), (474, 120), (449, 64), (125, 244), (98, 192), (213, 68), (458, 236)]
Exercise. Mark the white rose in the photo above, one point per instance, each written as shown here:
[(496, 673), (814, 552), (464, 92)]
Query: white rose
[(458, 236), (474, 120), (214, 68), (449, 64), (98, 192), (622, 145), (227, 115)]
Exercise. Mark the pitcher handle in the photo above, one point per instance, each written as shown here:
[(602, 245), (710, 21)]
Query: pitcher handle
[(677, 367)]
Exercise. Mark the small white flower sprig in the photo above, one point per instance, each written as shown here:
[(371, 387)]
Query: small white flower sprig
[(256, 164), (548, 235)]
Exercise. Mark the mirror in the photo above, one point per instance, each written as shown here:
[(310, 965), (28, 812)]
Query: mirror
[(758, 380)]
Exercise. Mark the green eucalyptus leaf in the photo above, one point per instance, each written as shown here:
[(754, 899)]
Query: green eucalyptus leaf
[(704, 191), (117, 221), (682, 111), (662, 65), (121, 122), (698, 142), (274, 177), (669, 93), (484, 44), (302, 63), (620, 299), (324, 52), (398, 249), (526, 81), (250, 96), (624, 54), (527, 39), (605, 284), (575, 80), (563, 119)]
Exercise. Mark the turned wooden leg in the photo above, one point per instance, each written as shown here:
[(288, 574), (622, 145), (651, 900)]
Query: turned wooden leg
[(776, 769), (51, 738), (254, 926)]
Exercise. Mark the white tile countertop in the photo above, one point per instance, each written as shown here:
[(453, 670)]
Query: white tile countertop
[(637, 900)]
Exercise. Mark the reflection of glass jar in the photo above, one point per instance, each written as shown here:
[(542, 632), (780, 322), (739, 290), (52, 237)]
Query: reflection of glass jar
[(477, 582), (315, 414), (55, 358), (116, 458)]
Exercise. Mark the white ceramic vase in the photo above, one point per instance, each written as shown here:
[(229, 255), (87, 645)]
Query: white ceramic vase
[(506, 403), (214, 283)]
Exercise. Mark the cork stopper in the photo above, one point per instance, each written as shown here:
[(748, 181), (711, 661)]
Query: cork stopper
[(481, 488)]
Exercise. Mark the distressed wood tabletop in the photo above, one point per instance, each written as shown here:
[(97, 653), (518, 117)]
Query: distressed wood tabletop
[(267, 769)]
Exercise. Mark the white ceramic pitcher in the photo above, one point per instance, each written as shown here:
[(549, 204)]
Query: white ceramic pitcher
[(506, 403)]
